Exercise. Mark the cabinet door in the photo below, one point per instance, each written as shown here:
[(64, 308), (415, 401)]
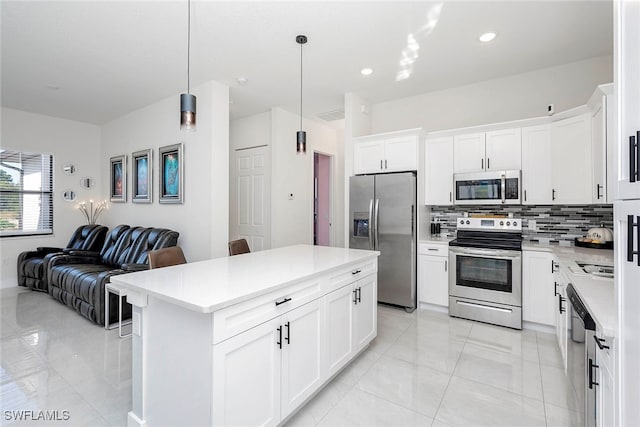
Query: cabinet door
[(562, 322), (302, 347), (538, 288), (368, 157), (439, 171), (338, 314), (599, 152), (433, 280), (571, 160), (627, 277), (365, 312), (605, 394), (504, 150), (627, 63), (401, 154), (536, 165), (246, 374), (468, 153)]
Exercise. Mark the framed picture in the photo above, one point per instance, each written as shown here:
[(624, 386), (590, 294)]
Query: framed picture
[(118, 167), (142, 174), (171, 173)]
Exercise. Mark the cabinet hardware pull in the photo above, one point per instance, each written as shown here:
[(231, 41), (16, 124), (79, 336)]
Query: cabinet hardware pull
[(525, 195), (279, 343), (385, 164), (553, 194), (592, 368), (355, 296), (359, 294), (600, 342), (488, 163), (630, 227), (634, 158), (432, 249), (288, 337), (482, 164), (598, 187), (450, 196), (445, 266), (356, 272), (283, 301), (555, 289), (381, 164), (560, 301)]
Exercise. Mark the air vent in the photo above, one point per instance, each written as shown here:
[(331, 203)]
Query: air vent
[(331, 116)]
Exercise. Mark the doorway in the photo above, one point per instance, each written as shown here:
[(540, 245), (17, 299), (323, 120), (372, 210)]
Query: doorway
[(321, 199)]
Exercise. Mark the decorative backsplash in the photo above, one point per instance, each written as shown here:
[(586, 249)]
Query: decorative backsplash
[(554, 223)]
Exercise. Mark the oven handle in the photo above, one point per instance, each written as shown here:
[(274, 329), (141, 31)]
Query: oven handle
[(493, 253), (486, 307)]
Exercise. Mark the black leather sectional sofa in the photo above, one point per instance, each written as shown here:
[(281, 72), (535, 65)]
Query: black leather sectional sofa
[(77, 278)]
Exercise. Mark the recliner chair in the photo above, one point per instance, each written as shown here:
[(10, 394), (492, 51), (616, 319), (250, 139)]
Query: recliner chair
[(32, 265)]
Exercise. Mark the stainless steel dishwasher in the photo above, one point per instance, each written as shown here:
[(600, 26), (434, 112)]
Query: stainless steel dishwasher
[(581, 357)]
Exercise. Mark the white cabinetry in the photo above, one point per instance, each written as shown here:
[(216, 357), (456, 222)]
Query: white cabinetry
[(571, 160), (495, 150), (538, 288), (562, 315), (536, 165), (605, 390), (438, 171), (433, 273), (391, 152), (602, 140)]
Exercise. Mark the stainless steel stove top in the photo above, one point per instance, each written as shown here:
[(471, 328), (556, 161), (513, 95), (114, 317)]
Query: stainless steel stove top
[(597, 270)]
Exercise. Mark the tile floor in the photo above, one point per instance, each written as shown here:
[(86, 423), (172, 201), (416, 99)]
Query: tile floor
[(424, 369)]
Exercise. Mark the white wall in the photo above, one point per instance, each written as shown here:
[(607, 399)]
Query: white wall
[(509, 98), (69, 142), (292, 220), (202, 220)]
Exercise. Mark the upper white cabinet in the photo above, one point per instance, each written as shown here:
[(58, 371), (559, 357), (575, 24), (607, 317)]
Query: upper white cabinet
[(438, 172), (536, 165), (390, 152), (602, 140), (627, 67), (495, 150), (571, 170)]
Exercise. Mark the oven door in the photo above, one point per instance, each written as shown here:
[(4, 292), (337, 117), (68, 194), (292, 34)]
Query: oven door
[(487, 188), (491, 275)]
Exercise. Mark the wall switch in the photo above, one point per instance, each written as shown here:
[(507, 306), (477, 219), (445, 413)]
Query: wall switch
[(290, 196), (532, 225)]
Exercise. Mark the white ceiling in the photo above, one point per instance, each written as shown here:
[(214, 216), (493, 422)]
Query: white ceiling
[(111, 57)]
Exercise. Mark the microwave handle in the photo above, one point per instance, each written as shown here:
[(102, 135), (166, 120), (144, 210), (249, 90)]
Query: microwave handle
[(503, 187)]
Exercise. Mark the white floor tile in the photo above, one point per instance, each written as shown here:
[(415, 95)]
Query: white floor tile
[(559, 417), (518, 343), (557, 388), (316, 409)]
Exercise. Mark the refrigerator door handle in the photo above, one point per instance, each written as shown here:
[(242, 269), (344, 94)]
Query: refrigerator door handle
[(371, 243), (412, 221), (375, 221)]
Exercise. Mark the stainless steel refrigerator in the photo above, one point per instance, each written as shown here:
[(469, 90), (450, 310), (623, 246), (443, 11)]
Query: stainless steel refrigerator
[(383, 218)]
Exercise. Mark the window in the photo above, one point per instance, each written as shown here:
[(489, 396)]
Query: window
[(26, 193)]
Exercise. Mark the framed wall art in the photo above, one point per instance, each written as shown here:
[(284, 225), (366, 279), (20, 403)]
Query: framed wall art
[(171, 173), (118, 182), (142, 174)]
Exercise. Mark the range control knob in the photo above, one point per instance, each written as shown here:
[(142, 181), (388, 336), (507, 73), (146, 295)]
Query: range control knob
[(508, 223), (501, 222), (468, 222), (462, 221), (515, 223)]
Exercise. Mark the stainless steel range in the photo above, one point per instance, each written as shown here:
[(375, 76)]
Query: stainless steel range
[(485, 281)]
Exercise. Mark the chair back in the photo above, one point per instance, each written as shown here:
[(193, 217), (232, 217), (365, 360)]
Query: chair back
[(166, 257), (237, 247)]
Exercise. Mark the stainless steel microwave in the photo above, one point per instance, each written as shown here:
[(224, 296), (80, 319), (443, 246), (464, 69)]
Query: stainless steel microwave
[(488, 188)]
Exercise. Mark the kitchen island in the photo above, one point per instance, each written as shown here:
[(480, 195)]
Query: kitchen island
[(246, 340)]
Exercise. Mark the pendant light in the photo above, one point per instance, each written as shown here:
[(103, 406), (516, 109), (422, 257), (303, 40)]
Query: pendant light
[(188, 101), (301, 136)]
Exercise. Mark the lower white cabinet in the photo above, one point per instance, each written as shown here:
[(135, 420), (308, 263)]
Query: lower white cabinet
[(433, 279), (365, 326), (538, 287), (605, 390), (562, 317)]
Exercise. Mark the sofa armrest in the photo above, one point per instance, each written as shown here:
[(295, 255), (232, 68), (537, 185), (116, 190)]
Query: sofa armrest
[(69, 258), (82, 253), (44, 250), (128, 268)]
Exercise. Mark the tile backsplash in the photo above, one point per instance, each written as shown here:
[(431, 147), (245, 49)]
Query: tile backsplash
[(554, 223)]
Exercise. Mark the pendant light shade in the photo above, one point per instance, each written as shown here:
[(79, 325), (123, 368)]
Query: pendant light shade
[(301, 136), (188, 101)]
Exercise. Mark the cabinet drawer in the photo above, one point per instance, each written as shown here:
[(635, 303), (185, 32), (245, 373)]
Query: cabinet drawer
[(351, 274), (240, 317), (436, 249)]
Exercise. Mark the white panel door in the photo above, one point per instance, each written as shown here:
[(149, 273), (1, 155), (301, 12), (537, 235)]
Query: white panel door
[(538, 288), (302, 350), (469, 153), (433, 280), (439, 171), (627, 270), (627, 67), (562, 322), (365, 312), (401, 154), (536, 165), (368, 157), (246, 374), (253, 197), (339, 319), (571, 173), (503, 150), (599, 152)]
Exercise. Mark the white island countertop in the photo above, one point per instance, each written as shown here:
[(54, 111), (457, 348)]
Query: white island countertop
[(207, 286)]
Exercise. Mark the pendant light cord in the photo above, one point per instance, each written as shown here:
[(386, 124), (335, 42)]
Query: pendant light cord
[(188, 45), (300, 86)]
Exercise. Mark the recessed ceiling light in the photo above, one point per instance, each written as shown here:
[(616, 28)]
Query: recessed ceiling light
[(366, 71), (242, 81), (487, 37)]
